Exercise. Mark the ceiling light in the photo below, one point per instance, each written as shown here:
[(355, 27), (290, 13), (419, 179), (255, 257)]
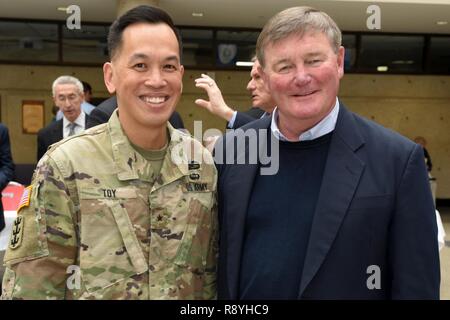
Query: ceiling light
[(382, 68), (62, 9), (403, 62), (244, 63), (197, 14), (441, 23)]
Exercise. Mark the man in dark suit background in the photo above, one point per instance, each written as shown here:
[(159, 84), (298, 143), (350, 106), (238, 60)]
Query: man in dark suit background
[(262, 102), (6, 167), (104, 110), (348, 212), (67, 95)]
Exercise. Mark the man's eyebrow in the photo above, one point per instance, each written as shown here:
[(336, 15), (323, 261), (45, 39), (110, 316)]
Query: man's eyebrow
[(137, 56), (172, 58), (314, 54), (281, 61)]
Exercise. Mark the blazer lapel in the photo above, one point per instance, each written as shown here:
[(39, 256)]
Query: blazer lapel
[(340, 180), (239, 190), (58, 131)]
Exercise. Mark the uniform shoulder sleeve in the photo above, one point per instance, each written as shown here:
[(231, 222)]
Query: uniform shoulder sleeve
[(43, 241)]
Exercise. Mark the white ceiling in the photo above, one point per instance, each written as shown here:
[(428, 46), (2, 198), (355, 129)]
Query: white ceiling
[(414, 16)]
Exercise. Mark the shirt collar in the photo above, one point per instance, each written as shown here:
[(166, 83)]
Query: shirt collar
[(326, 125), (80, 121), (130, 162)]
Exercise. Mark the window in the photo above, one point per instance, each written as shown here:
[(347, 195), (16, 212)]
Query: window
[(198, 50), (439, 55), (234, 46), (85, 45), (392, 54), (26, 41), (349, 43)]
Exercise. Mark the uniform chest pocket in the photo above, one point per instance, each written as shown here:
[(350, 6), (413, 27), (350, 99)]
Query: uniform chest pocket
[(183, 236), (109, 250)]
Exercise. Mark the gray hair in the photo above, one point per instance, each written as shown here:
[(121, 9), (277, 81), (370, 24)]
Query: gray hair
[(297, 20), (67, 80)]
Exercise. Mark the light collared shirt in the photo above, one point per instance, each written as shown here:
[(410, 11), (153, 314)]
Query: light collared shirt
[(80, 124), (326, 125)]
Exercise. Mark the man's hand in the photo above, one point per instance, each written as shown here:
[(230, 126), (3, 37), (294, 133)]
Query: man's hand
[(216, 105)]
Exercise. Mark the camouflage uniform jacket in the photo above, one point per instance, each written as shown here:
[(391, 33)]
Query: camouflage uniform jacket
[(101, 225)]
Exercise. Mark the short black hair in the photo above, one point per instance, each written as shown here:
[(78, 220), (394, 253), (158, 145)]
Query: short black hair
[(86, 87), (143, 13)]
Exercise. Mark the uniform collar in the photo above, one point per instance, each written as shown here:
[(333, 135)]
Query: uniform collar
[(129, 162)]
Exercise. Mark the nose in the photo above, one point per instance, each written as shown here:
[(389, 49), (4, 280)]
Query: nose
[(155, 79), (301, 76), (67, 102), (251, 85)]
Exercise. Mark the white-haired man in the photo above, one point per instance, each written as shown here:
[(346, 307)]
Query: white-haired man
[(67, 95)]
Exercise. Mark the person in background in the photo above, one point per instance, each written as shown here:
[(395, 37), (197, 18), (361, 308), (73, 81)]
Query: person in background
[(86, 106), (262, 102), (433, 184), (6, 167), (68, 95)]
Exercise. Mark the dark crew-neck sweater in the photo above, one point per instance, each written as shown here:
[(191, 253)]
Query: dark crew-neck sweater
[(279, 218)]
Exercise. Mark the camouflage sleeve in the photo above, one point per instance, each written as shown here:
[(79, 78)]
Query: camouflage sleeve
[(43, 239), (210, 288)]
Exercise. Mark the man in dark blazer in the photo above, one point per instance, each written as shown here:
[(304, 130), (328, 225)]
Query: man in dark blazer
[(67, 95), (104, 110), (346, 212), (6, 167), (262, 102)]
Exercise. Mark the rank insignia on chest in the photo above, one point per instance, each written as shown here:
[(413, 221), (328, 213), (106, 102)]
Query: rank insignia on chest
[(193, 165), (17, 233), (25, 200)]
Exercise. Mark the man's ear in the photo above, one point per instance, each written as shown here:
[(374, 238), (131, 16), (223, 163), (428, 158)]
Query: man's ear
[(264, 77), (340, 61), (182, 73), (108, 75)]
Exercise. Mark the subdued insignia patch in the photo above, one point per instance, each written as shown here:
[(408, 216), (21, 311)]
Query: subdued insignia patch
[(25, 200), (194, 176), (17, 233), (196, 186), (193, 165)]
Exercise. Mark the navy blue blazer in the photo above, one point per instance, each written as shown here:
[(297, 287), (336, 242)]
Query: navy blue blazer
[(50, 135), (242, 118), (374, 209)]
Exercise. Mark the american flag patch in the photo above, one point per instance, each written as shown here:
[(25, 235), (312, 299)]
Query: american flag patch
[(25, 200)]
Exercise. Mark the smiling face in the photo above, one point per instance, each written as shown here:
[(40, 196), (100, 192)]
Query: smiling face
[(260, 95), (303, 75), (68, 99), (146, 75)]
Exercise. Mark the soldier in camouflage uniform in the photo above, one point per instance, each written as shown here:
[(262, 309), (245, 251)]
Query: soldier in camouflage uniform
[(126, 210)]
